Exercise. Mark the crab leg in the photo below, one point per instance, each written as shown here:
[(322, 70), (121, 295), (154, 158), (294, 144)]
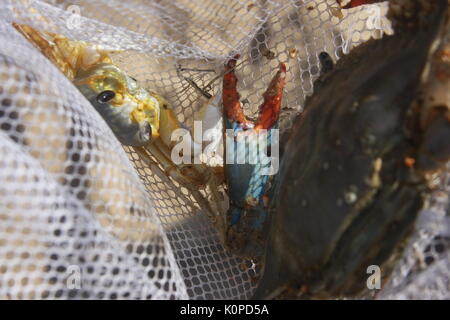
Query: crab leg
[(246, 182), (119, 98), (357, 3), (173, 171)]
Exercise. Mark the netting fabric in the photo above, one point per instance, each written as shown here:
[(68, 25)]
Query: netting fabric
[(82, 216)]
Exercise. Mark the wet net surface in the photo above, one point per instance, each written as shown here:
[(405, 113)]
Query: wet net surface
[(83, 217)]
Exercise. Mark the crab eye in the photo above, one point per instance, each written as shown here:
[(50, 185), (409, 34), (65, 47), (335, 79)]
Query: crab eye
[(326, 62), (145, 133), (148, 129), (105, 96)]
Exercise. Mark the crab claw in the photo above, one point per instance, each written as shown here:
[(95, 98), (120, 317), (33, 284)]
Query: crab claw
[(270, 109), (231, 99), (357, 3), (245, 168)]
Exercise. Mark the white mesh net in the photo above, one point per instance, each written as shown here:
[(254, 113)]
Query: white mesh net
[(83, 217)]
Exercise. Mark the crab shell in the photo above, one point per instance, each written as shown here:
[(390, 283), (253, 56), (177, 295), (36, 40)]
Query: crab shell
[(347, 197)]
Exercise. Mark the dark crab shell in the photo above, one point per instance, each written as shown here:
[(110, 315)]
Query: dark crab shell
[(346, 197)]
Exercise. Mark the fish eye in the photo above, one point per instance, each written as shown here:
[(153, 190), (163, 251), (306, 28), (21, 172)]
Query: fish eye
[(105, 96)]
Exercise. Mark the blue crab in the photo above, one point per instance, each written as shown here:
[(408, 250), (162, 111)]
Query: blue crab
[(139, 118), (358, 164), (248, 181)]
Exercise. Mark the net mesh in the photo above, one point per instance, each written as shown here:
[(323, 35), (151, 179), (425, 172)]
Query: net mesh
[(84, 217)]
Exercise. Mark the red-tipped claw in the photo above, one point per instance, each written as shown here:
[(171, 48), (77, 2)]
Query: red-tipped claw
[(357, 3), (230, 96), (269, 109)]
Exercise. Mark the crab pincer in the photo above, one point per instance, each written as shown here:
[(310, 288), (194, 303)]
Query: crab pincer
[(357, 3), (248, 168), (360, 164)]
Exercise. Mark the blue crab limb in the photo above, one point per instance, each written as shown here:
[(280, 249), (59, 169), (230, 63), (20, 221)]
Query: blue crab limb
[(247, 164)]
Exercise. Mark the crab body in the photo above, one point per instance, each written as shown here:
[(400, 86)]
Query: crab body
[(352, 178), (138, 117)]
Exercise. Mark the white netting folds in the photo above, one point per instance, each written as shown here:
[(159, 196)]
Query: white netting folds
[(74, 202)]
